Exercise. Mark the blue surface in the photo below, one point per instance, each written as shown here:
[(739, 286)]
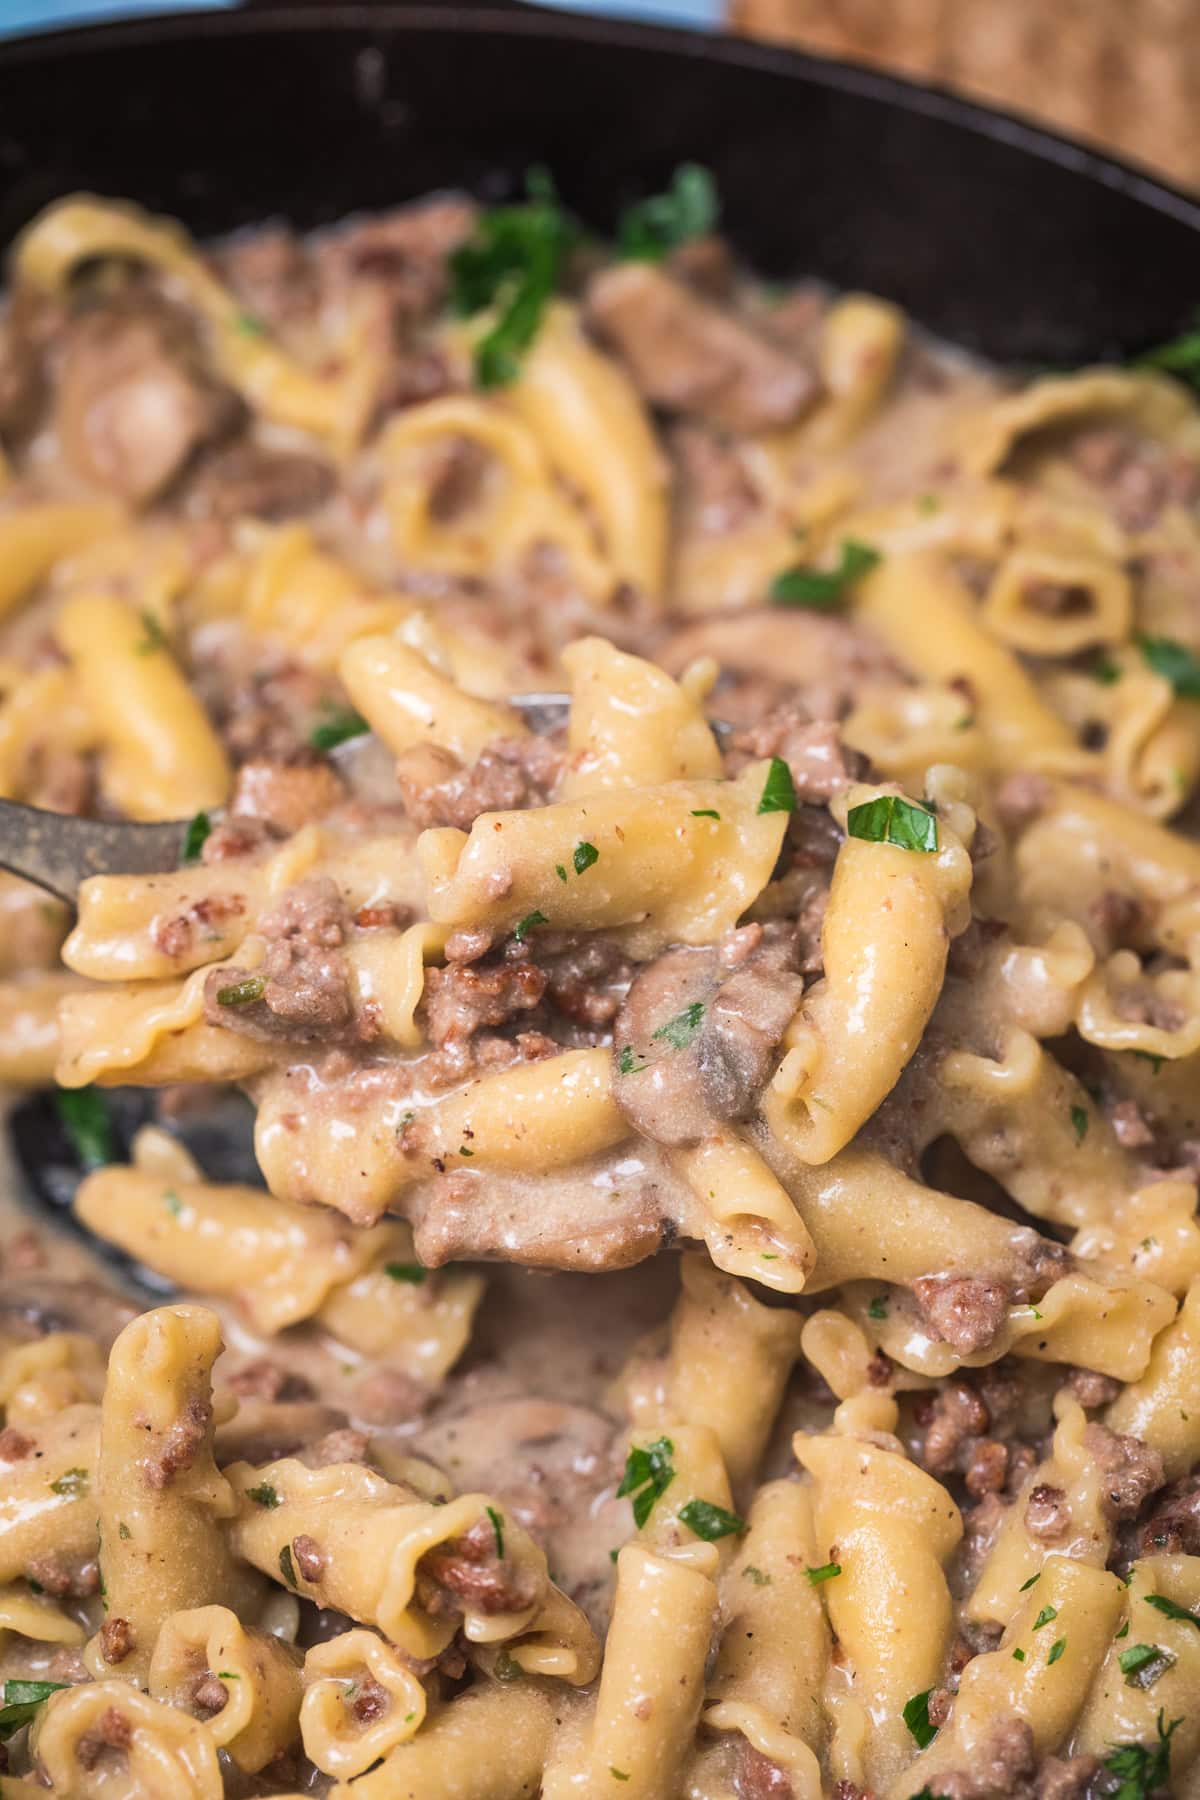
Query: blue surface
[(45, 15)]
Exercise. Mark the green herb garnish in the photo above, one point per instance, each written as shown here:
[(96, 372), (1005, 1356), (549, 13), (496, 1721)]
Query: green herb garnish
[(628, 1064), (710, 1522), (263, 1495), (196, 836), (679, 1031), (756, 1575), (71, 1485), (648, 1475), (286, 1566), (511, 264), (1172, 1610), (878, 1307), (584, 856), (86, 1120), (1044, 1617), (244, 992), (1056, 1650), (339, 727), (1175, 662), (704, 812), (1142, 1664), (1079, 1122), (155, 638), (822, 589), (1142, 1769), (826, 1572), (690, 208), (916, 1717), (779, 790), (412, 1272), (21, 1701), (497, 1530), (526, 925), (891, 819), (1026, 1585)]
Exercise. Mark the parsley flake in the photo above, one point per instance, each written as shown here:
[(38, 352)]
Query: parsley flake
[(21, 1701), (560, 871), (1142, 1664), (1142, 1769), (1056, 1650), (617, 1774), (878, 1307), (916, 1717), (628, 1064), (497, 1530), (753, 1574), (1026, 1585), (779, 790), (250, 325), (704, 812), (155, 638), (1044, 1617), (286, 1566), (1175, 662), (584, 856), (244, 992), (1018, 1656), (71, 1485), (650, 228), (263, 1495), (412, 1272), (522, 929), (173, 1203), (506, 1667), (826, 1572), (512, 265), (648, 1474), (823, 589), (1172, 1610), (891, 819), (679, 1031), (338, 727), (196, 836), (86, 1120), (711, 1522), (1079, 1122)]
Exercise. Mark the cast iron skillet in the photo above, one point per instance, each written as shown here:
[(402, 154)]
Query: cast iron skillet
[(997, 234)]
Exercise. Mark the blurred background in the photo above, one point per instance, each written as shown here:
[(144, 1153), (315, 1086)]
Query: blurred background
[(1124, 74)]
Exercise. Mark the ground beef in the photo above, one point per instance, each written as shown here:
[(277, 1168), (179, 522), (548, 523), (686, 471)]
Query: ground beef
[(285, 795), (176, 934), (267, 1380), (716, 493), (306, 996), (116, 1640), (466, 1572), (112, 1731), (271, 273), (401, 255), (956, 1421), (1092, 1390), (309, 1556), (1136, 476), (1116, 917), (1002, 1770), (209, 1696), (133, 401), (180, 1443), (962, 1311), (21, 385), (342, 1446), (252, 481), (1021, 798), (510, 774), (371, 1700), (1129, 1125), (236, 835), (756, 1777), (820, 763), (1174, 1524), (1065, 1778), (269, 711), (61, 1577), (587, 975), (687, 355), (1131, 1470), (462, 998), (1047, 1513), (14, 1445)]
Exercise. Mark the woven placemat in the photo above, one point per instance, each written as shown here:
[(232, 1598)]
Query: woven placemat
[(1122, 73)]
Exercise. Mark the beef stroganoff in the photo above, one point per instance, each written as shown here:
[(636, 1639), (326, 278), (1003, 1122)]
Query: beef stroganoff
[(720, 1312)]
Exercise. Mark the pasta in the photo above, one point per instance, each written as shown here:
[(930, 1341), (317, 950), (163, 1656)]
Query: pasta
[(689, 793)]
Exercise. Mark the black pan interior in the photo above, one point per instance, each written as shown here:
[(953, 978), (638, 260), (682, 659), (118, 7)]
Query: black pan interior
[(987, 230)]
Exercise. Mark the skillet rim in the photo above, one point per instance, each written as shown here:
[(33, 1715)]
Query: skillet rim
[(1013, 129)]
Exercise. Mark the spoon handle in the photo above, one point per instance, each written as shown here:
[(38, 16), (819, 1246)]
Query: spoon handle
[(57, 851)]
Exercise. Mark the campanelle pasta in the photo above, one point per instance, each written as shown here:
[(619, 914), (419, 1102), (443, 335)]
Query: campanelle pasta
[(670, 765)]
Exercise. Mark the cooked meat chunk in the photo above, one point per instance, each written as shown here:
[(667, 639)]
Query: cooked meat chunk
[(270, 712), (371, 1700), (251, 481), (209, 1696), (132, 401), (15, 1446), (264, 1379), (175, 933), (510, 774), (302, 990), (1047, 1513), (1131, 1470), (467, 1572), (464, 997), (285, 795), (1066, 1778), (116, 1640), (1091, 1389), (271, 273), (587, 975), (112, 1731), (1003, 1770), (403, 253), (180, 1445), (1174, 1524), (689, 356), (1136, 476), (21, 384), (962, 1310), (716, 492), (695, 1039), (821, 765), (310, 1558), (756, 1777)]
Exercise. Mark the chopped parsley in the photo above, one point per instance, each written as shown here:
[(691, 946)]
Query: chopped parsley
[(263, 1495), (1171, 1610), (779, 790), (250, 325), (756, 1575), (512, 265), (617, 1774), (878, 1307), (1018, 1656), (704, 812), (71, 1485), (505, 1667), (196, 836), (584, 856), (711, 1522), (497, 1530), (891, 819), (648, 1475), (1142, 1769), (1181, 356), (338, 727), (244, 992), (21, 1701), (1142, 1664), (1026, 1585), (1156, 1062), (524, 926), (286, 1566), (155, 638), (1175, 662), (123, 1532), (650, 228), (412, 1272), (1079, 1122), (826, 1572), (86, 1120), (822, 589), (679, 1031), (560, 871), (1044, 1617), (1106, 671), (628, 1064), (1056, 1650), (916, 1717), (173, 1203)]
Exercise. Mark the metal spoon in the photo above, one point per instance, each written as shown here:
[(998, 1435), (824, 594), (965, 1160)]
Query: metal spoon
[(57, 851)]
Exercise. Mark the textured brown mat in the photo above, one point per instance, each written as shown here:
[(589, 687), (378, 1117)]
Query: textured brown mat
[(1123, 73)]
